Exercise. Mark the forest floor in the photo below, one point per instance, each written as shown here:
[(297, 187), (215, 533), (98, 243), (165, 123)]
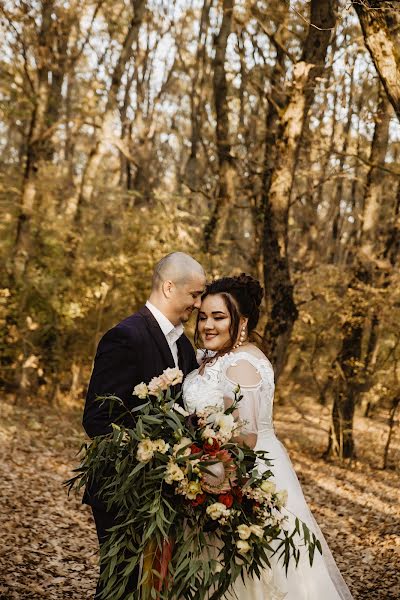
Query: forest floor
[(48, 546)]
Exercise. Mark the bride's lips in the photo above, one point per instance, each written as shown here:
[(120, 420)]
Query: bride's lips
[(210, 336)]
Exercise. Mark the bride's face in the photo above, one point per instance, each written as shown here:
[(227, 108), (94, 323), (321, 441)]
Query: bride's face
[(213, 324)]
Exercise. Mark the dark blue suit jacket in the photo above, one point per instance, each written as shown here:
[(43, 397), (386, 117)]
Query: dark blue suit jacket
[(133, 351)]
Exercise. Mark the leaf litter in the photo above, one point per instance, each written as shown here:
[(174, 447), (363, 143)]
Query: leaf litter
[(48, 544)]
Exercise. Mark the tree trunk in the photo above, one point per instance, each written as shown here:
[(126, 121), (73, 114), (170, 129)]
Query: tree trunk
[(282, 311), (380, 26), (106, 132), (215, 227), (37, 147), (352, 365), (373, 190), (391, 423), (334, 254), (391, 251)]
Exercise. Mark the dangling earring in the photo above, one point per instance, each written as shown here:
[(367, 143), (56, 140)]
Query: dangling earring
[(242, 338)]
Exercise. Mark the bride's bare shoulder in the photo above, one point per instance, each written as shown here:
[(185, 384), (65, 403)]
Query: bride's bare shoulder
[(251, 349)]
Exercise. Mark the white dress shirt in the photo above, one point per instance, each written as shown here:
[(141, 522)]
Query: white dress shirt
[(172, 333)]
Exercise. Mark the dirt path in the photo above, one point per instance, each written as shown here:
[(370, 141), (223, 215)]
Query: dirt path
[(48, 545)]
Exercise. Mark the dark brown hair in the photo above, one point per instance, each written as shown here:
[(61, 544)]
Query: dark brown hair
[(242, 296)]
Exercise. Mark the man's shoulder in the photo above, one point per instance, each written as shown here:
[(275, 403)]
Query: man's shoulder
[(134, 321), (131, 327)]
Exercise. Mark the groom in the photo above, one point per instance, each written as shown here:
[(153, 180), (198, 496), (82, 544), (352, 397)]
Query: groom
[(138, 349)]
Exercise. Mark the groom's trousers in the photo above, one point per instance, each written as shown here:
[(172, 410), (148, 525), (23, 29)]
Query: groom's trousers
[(105, 520)]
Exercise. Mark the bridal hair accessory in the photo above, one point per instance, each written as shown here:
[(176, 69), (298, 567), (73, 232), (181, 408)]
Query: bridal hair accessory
[(182, 489), (242, 338)]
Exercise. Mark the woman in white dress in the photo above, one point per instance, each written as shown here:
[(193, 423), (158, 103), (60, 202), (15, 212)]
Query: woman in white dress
[(226, 322)]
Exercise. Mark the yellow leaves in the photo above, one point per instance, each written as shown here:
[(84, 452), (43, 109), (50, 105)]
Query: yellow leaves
[(32, 326), (13, 334), (73, 310), (307, 318), (101, 291), (32, 362), (4, 293)]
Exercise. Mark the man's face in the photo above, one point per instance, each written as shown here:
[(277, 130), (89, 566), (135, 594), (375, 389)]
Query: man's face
[(185, 297)]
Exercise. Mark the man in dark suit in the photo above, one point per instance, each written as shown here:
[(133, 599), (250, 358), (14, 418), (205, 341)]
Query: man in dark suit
[(138, 349)]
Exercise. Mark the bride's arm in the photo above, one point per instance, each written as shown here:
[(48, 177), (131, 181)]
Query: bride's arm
[(246, 375)]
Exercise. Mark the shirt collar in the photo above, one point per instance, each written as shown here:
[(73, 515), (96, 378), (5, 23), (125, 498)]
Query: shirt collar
[(170, 331)]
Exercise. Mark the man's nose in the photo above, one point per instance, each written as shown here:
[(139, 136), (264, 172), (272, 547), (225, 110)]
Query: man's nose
[(197, 303)]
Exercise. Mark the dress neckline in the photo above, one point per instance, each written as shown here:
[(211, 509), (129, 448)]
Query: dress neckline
[(221, 359)]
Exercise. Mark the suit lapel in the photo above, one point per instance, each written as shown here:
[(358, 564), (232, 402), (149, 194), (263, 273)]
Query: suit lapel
[(158, 337)]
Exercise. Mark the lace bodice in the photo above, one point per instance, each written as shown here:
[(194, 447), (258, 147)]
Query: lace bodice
[(219, 379)]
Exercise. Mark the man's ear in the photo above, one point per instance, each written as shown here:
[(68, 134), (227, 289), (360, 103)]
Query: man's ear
[(168, 288)]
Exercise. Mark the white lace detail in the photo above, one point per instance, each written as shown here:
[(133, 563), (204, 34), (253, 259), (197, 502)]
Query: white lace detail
[(210, 388)]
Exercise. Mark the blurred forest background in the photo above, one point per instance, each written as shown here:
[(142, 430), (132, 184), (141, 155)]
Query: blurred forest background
[(260, 137), (257, 136)]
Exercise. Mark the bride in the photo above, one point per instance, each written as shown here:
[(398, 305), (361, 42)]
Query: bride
[(227, 318)]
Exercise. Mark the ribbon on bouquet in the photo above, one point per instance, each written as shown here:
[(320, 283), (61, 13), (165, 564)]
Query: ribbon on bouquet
[(156, 559)]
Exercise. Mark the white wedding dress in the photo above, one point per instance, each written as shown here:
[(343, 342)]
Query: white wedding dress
[(323, 580)]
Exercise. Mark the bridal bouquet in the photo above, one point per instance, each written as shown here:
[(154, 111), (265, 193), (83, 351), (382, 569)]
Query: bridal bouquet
[(194, 511)]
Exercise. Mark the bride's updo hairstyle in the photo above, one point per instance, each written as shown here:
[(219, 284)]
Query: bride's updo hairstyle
[(242, 295)]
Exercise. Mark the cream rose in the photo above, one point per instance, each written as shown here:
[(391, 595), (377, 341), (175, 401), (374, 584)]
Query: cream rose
[(281, 498), (217, 510), (141, 391), (172, 376), (145, 451), (268, 487), (243, 546), (173, 473), (257, 530), (244, 532), (161, 446), (156, 385)]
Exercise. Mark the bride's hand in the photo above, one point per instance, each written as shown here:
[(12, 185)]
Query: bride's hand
[(248, 439)]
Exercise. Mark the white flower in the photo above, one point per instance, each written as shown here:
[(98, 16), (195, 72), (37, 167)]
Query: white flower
[(140, 391), (156, 385), (183, 442), (173, 473), (243, 546), (225, 422), (281, 498), (217, 510), (172, 376), (177, 408), (268, 487), (208, 434), (257, 530), (244, 532), (145, 451), (161, 446)]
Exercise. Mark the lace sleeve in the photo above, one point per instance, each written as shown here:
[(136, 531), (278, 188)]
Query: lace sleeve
[(242, 372)]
